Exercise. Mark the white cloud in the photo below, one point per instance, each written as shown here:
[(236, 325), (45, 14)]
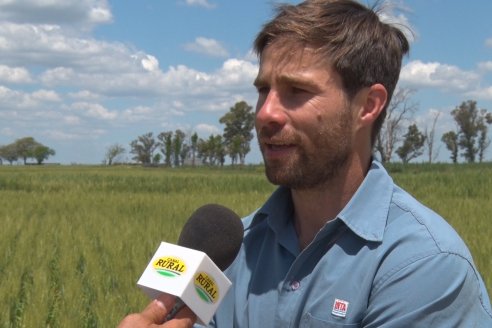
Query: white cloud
[(488, 42), (72, 120), (485, 66), (150, 63), (442, 76), (46, 95), (206, 46), (80, 13), (200, 3), (14, 74), (84, 95), (481, 93), (94, 110)]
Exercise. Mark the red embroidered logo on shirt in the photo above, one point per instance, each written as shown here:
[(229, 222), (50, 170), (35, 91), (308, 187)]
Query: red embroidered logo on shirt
[(340, 308)]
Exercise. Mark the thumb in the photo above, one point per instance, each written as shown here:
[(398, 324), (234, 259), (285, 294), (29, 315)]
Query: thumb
[(157, 310)]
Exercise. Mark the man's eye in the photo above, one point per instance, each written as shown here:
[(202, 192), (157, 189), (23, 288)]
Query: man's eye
[(296, 90)]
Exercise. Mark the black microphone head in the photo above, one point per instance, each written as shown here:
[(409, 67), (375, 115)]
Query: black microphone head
[(215, 230)]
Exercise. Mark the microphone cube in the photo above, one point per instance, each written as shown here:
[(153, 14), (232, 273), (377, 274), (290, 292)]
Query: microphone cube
[(188, 274)]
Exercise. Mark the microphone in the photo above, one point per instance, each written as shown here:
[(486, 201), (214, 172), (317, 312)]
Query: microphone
[(192, 269)]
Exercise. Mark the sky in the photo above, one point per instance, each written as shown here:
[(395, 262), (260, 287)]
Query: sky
[(82, 75)]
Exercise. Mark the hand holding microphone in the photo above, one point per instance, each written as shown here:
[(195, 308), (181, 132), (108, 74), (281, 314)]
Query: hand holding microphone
[(191, 270), (155, 315)]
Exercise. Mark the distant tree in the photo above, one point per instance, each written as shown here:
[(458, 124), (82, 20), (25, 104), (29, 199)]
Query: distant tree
[(166, 145), (113, 152), (193, 148), (400, 109), (156, 159), (483, 140), (429, 138), (42, 153), (9, 153), (143, 147), (450, 139), (178, 140), (25, 148), (239, 123), (212, 150), (472, 129), (413, 144), (185, 153)]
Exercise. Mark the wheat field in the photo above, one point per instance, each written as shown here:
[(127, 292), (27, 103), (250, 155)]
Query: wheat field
[(75, 239)]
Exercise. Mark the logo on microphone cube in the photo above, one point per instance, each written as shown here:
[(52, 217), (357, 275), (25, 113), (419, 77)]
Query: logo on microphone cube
[(340, 308), (206, 287), (169, 266)]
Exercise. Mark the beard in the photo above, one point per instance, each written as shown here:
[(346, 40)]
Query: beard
[(318, 158)]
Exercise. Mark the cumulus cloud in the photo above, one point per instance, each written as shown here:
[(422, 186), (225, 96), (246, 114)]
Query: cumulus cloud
[(15, 75), (481, 93), (485, 66), (442, 76), (206, 46), (46, 95), (200, 3), (94, 110), (82, 13)]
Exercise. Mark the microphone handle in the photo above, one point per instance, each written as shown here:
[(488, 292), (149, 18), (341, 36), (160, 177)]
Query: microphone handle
[(178, 305)]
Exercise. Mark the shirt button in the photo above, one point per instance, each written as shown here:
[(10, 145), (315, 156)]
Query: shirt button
[(294, 285)]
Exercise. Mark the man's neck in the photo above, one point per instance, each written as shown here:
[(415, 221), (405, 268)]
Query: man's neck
[(313, 208)]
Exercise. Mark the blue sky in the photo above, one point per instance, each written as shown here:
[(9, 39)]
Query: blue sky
[(80, 75)]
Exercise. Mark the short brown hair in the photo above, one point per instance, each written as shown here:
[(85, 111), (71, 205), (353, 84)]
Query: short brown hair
[(361, 48)]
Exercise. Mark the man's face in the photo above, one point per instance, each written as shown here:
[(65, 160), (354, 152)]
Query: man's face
[(303, 118)]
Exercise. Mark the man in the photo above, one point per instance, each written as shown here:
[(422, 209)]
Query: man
[(338, 244)]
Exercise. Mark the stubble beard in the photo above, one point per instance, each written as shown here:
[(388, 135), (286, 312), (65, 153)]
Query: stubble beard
[(316, 164)]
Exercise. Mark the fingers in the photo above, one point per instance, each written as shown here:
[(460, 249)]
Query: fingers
[(185, 318)]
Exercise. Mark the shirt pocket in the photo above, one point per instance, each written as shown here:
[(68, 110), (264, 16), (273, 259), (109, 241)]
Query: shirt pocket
[(308, 320)]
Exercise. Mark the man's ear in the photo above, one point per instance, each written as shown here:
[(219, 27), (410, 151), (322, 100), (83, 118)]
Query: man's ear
[(373, 102)]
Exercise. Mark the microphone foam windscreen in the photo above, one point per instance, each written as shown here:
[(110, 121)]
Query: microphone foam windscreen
[(215, 230)]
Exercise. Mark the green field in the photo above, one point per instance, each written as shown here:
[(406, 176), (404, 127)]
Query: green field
[(75, 239)]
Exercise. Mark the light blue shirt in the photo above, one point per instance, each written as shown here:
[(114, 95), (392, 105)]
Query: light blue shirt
[(385, 261)]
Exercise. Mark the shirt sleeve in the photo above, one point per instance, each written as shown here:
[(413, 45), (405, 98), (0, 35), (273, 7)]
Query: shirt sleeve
[(438, 290)]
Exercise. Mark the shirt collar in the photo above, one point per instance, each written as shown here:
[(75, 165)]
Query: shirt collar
[(367, 211), (365, 214)]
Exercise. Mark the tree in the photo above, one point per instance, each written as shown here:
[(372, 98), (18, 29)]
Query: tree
[(429, 138), (239, 123), (25, 147), (9, 153), (178, 141), (472, 129), (156, 159), (450, 139), (483, 140), (166, 144), (193, 148), (113, 152), (412, 144), (143, 147), (42, 153), (399, 110), (212, 150)]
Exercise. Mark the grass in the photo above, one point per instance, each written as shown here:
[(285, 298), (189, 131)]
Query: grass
[(75, 239)]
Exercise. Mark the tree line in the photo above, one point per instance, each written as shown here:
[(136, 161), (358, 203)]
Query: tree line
[(175, 148), (399, 136), (24, 149), (469, 139)]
